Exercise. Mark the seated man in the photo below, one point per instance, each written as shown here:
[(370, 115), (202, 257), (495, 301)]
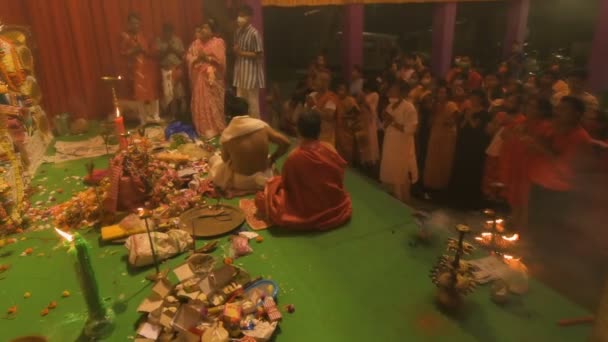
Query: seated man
[(245, 164), (310, 194)]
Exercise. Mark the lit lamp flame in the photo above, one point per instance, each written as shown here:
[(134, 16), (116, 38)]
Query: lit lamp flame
[(65, 235), (510, 259), (511, 238), (484, 236), (117, 112)]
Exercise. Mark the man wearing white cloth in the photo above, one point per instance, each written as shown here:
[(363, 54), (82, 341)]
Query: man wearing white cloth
[(398, 167), (245, 163)]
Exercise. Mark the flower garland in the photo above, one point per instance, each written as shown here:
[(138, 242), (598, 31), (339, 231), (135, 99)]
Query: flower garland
[(11, 67), (83, 209)]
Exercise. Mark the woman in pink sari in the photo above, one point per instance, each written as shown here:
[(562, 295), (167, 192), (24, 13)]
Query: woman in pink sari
[(206, 60)]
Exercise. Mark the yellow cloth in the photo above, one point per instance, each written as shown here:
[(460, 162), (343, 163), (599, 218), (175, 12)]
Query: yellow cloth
[(116, 232)]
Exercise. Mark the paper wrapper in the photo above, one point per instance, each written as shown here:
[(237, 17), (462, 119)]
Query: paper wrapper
[(262, 332), (166, 245), (248, 207)]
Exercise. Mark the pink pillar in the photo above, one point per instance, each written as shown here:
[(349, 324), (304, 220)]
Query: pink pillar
[(444, 20), (257, 20), (517, 24), (598, 66), (352, 38)]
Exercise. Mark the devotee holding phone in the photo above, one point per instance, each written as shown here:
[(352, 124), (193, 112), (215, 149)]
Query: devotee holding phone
[(245, 163), (310, 193), (142, 70), (249, 64)]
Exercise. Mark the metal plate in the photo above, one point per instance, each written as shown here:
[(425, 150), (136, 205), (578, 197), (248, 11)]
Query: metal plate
[(211, 220)]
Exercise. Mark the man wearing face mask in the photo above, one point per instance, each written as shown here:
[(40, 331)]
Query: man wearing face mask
[(398, 168), (249, 65)]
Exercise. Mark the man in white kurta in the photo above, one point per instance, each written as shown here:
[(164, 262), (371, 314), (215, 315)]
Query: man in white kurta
[(398, 168)]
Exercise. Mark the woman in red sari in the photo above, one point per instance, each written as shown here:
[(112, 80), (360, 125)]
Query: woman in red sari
[(517, 159), (511, 116), (206, 60)]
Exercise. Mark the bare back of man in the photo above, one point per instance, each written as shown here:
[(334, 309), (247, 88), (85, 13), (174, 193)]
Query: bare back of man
[(248, 154)]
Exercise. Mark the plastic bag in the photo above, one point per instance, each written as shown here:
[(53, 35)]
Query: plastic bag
[(166, 245), (133, 223), (216, 333), (179, 127), (239, 246)]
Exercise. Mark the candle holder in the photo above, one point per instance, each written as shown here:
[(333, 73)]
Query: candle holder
[(453, 276), (90, 166), (145, 215), (100, 320), (496, 240), (106, 134), (126, 137), (112, 81), (423, 233)]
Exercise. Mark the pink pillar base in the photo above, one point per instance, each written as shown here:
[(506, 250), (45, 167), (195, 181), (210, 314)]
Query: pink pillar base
[(444, 20), (352, 37), (598, 66), (517, 24)]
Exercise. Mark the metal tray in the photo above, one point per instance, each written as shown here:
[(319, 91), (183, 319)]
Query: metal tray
[(211, 220)]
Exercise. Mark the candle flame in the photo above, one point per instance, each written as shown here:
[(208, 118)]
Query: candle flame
[(512, 238), (508, 257), (499, 221), (117, 112), (478, 238), (65, 235), (486, 234)]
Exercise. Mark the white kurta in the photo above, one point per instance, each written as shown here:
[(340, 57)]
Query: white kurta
[(398, 164)]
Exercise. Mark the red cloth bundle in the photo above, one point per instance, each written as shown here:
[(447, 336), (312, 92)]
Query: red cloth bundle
[(127, 192)]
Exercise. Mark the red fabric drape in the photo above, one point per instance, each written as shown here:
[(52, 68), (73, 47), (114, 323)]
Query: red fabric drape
[(77, 42)]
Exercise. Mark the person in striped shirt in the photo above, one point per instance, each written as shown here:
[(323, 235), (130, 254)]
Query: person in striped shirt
[(249, 64)]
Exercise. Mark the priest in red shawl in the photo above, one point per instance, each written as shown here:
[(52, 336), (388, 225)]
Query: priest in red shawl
[(142, 70), (561, 159), (517, 159), (310, 194)]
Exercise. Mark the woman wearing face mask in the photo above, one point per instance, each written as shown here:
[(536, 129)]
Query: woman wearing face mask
[(206, 58), (317, 66), (471, 143), (426, 81), (516, 159), (347, 124), (425, 111), (398, 167), (367, 139), (442, 141)]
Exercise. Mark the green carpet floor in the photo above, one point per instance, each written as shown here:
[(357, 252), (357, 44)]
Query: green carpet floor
[(362, 282)]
